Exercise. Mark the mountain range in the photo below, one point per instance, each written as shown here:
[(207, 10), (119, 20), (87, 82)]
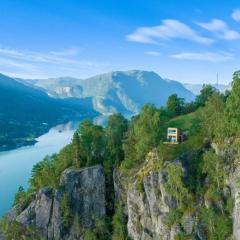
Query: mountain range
[(119, 91), (29, 107)]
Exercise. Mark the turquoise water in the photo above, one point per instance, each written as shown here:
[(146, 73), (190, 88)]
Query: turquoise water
[(16, 165)]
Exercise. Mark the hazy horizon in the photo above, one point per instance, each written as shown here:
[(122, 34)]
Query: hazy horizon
[(103, 73)]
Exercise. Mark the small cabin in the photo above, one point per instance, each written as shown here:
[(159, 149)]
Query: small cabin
[(174, 135)]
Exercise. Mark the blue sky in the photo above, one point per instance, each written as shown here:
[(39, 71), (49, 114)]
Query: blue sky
[(189, 41)]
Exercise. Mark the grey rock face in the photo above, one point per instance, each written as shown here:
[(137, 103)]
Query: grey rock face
[(147, 210), (54, 230), (86, 191), (12, 214), (232, 188), (148, 205), (27, 217), (43, 210), (235, 192), (188, 222)]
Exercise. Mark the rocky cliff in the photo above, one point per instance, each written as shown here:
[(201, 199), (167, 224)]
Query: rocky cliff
[(232, 188), (148, 207), (83, 191), (235, 193), (152, 212)]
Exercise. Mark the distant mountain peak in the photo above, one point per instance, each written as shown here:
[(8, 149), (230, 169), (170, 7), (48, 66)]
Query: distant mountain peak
[(117, 91), (196, 88)]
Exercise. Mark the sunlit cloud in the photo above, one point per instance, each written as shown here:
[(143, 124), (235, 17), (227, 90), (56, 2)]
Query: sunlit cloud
[(54, 63), (152, 53), (204, 56), (43, 57), (236, 15), (220, 29), (74, 51), (169, 29)]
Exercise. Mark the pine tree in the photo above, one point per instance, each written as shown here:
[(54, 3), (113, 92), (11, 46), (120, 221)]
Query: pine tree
[(175, 105), (119, 224), (232, 113), (76, 150)]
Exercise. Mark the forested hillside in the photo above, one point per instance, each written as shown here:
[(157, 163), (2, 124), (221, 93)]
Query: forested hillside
[(27, 112), (152, 190)]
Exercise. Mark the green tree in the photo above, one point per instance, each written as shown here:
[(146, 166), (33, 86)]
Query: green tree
[(175, 185), (76, 150), (175, 105), (92, 142), (43, 174), (212, 117), (213, 166), (77, 226), (115, 132), (14, 230), (101, 229), (19, 196), (119, 224), (232, 113), (90, 235), (217, 226), (66, 212), (63, 160), (144, 134), (206, 91)]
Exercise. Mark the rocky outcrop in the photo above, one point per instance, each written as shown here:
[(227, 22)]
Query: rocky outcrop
[(85, 189), (148, 205), (232, 188), (235, 193), (147, 209), (151, 212)]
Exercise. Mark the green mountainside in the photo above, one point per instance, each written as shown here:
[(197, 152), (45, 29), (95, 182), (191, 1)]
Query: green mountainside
[(27, 112), (152, 190)]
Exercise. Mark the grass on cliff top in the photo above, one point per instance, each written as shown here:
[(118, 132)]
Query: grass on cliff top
[(189, 124)]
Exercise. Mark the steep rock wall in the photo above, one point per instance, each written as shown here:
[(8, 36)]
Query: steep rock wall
[(85, 189)]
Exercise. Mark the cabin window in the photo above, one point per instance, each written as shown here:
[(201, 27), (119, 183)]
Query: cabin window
[(171, 131)]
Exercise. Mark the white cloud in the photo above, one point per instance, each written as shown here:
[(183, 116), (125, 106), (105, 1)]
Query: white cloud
[(26, 63), (220, 29), (204, 56), (9, 62), (68, 56), (74, 51), (236, 15), (169, 29), (152, 53), (10, 52)]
